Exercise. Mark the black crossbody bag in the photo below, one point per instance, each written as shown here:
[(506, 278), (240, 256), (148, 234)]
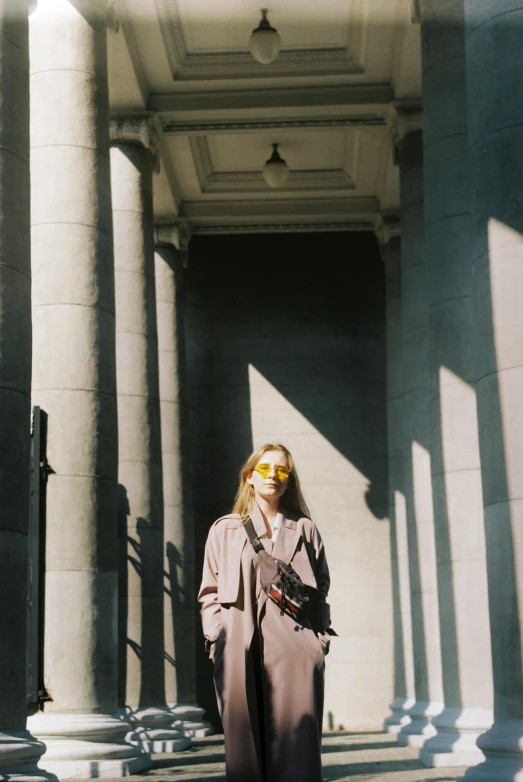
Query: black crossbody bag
[(282, 584)]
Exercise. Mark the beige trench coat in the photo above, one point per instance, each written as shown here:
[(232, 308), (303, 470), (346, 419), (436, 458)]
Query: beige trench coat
[(268, 670)]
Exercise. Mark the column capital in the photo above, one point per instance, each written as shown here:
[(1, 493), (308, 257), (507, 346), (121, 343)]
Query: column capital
[(406, 119), (386, 228), (177, 234), (137, 130)]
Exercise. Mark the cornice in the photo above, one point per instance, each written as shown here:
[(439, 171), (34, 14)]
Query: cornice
[(172, 127), (176, 103)]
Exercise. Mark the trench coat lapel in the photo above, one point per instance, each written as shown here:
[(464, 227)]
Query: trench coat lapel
[(287, 540), (257, 520)]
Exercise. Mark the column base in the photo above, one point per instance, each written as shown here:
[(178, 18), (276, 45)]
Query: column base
[(503, 749), (86, 746), (153, 729), (420, 727), (399, 717), (188, 719), (455, 741), (19, 756)]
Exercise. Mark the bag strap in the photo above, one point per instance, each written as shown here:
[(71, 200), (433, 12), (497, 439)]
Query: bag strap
[(251, 533)]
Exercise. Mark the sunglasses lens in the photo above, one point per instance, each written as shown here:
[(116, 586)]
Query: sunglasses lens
[(265, 469)]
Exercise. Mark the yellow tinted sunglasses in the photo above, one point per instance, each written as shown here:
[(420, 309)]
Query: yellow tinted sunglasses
[(264, 469)]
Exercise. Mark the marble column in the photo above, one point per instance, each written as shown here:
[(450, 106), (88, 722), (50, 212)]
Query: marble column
[(74, 381), (179, 578), (494, 82), (390, 247), (417, 436), (456, 473), (19, 751), (142, 681)]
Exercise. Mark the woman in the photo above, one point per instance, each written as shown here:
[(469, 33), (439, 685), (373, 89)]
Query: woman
[(268, 669)]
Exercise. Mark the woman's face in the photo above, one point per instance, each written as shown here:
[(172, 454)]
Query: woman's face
[(270, 484)]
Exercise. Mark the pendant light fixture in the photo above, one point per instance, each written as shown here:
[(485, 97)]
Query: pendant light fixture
[(264, 42), (275, 171)]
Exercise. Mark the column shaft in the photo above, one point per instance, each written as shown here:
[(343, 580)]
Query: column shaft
[(15, 391), (74, 381), (456, 474), (142, 681), (403, 660), (494, 90), (417, 433), (179, 586)]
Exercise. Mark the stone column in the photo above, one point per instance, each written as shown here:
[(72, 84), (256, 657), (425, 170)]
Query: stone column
[(142, 681), (417, 434), (390, 246), (19, 752), (456, 473), (494, 88), (74, 381), (179, 581)]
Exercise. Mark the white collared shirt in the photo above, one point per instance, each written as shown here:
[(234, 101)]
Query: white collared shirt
[(275, 526)]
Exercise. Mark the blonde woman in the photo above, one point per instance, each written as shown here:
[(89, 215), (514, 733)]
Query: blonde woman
[(268, 668)]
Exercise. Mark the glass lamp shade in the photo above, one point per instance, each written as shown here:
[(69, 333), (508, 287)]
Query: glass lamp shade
[(275, 171), (264, 43)]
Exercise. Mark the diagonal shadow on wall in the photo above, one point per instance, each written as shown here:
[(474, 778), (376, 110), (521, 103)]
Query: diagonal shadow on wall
[(307, 313)]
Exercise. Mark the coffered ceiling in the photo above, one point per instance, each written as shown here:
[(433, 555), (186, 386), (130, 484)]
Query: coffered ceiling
[(328, 101)]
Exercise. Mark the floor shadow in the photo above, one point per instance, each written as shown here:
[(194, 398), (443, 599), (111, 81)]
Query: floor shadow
[(340, 771), (330, 748)]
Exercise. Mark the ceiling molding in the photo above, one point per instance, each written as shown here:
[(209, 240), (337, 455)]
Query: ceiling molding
[(240, 65), (172, 127), (328, 61), (231, 182), (176, 103), (258, 228), (171, 28)]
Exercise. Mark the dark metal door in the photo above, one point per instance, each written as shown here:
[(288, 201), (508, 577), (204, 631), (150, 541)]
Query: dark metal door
[(39, 472)]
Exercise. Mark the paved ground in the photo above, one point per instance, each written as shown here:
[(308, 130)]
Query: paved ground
[(346, 757)]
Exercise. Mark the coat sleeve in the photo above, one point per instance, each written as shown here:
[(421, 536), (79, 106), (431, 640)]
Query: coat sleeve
[(321, 573), (210, 608)]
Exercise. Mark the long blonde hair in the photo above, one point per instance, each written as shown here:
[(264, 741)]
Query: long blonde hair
[(292, 499)]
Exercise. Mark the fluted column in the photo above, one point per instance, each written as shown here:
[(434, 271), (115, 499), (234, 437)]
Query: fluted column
[(417, 434), (179, 578), (390, 246), (74, 381), (494, 81), (19, 751), (456, 473), (142, 681)]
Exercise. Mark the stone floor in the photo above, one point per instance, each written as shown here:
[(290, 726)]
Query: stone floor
[(346, 756)]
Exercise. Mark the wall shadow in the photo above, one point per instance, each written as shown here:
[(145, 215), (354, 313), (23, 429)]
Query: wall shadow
[(140, 550), (313, 329)]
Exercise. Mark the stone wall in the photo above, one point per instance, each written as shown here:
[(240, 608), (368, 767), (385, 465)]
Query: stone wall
[(285, 341)]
